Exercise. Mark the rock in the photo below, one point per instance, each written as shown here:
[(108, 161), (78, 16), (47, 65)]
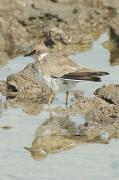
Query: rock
[(105, 115), (25, 83), (3, 58), (114, 24), (114, 31), (84, 105), (66, 26), (113, 43), (109, 93), (3, 87), (2, 43)]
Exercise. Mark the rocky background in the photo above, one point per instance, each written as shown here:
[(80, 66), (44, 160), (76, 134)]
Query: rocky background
[(63, 25)]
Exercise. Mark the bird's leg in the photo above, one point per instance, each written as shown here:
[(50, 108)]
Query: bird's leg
[(66, 100), (50, 97), (49, 101)]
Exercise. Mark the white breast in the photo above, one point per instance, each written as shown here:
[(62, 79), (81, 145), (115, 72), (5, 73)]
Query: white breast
[(52, 83), (56, 84), (42, 56)]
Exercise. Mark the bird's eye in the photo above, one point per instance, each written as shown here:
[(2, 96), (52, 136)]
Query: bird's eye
[(31, 53), (37, 51)]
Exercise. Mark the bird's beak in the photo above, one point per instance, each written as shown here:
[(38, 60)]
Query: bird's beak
[(31, 53)]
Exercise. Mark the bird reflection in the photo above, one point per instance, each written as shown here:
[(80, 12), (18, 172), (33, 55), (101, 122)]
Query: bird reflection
[(60, 133), (56, 134)]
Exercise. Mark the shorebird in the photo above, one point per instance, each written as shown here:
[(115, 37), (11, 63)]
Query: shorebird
[(59, 72)]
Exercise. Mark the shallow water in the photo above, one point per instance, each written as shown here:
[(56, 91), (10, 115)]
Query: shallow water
[(84, 162)]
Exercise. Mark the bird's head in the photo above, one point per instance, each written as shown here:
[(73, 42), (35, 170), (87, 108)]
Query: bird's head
[(38, 51)]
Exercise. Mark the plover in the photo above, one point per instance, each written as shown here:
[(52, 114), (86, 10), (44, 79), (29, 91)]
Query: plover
[(59, 72)]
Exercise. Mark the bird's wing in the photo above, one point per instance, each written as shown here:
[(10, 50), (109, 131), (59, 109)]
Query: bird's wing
[(58, 66), (85, 75)]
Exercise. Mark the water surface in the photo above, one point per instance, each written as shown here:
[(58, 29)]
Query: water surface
[(84, 162)]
